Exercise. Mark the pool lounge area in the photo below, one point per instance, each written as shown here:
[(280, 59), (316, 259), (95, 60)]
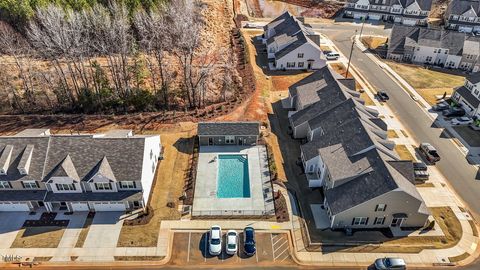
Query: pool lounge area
[(233, 181)]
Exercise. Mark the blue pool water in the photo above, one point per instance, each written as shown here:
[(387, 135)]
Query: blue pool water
[(233, 179)]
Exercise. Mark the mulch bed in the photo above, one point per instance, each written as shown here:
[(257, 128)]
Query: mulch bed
[(281, 210), (46, 219)]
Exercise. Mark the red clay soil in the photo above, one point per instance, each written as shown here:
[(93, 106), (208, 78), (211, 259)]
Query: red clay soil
[(324, 9)]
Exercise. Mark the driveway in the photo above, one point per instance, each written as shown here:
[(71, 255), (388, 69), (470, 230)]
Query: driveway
[(10, 223), (104, 231)]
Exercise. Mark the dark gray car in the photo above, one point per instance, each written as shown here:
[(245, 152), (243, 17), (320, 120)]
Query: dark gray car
[(390, 264)]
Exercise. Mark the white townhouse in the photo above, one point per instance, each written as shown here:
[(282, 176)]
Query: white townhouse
[(291, 45), (113, 171), (468, 95), (463, 16), (407, 12), (442, 48)]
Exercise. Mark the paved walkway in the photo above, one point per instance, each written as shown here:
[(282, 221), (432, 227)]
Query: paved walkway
[(71, 234)]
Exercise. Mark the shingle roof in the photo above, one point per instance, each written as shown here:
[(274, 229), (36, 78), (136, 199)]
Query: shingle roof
[(459, 7), (131, 195), (474, 77), (22, 195), (65, 169), (468, 96), (228, 128)]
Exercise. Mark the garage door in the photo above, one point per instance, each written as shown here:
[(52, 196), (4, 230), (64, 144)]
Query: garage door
[(10, 207), (80, 206), (374, 17), (109, 206)]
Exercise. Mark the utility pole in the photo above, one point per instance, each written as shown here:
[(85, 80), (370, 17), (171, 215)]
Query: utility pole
[(353, 44)]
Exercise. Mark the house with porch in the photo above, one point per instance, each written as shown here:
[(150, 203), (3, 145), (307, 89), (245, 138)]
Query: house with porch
[(468, 95), (463, 16), (406, 12), (438, 47), (291, 45), (113, 171)]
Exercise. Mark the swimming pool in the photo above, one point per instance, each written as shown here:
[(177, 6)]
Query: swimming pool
[(233, 180)]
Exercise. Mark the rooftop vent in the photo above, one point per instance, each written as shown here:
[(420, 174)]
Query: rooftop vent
[(5, 159), (24, 164)]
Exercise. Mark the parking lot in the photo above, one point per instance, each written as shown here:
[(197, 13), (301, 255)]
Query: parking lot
[(191, 248)]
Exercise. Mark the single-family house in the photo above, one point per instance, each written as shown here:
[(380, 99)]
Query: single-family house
[(463, 16), (443, 48), (228, 133), (113, 171), (468, 95), (291, 45), (406, 12)]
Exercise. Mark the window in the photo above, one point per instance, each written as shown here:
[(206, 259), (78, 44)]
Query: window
[(30, 184), (103, 186), (300, 64), (5, 184), (229, 139), (300, 55), (128, 184), (290, 64), (380, 207), (360, 221), (379, 221), (435, 51), (65, 187)]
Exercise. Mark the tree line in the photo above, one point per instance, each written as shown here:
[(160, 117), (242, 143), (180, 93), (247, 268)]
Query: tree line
[(112, 56)]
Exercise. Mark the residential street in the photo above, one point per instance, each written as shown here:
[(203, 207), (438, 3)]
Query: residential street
[(462, 176)]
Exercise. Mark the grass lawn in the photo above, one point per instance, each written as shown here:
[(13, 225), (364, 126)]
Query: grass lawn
[(425, 185), (459, 257), (403, 152), (341, 69), (282, 82), (168, 187), (83, 234), (325, 48), (372, 42), (428, 83), (391, 134), (38, 237)]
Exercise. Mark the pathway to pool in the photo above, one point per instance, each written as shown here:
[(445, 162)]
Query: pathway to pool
[(233, 180)]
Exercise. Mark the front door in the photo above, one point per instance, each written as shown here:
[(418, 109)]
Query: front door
[(240, 141), (210, 141), (309, 66), (396, 222)]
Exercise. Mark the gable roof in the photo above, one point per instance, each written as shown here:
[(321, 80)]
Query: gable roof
[(459, 7), (103, 168), (228, 128), (65, 169)]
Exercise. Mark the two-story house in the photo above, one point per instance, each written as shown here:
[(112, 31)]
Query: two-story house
[(468, 95), (348, 155), (443, 48), (463, 16), (291, 45), (407, 12), (113, 171)]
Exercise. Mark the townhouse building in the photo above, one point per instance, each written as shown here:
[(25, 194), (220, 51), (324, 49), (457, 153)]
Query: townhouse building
[(463, 16), (468, 95), (113, 171)]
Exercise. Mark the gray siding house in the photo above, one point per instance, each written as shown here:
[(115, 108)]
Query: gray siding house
[(348, 155), (113, 171), (463, 16), (468, 95), (228, 133)]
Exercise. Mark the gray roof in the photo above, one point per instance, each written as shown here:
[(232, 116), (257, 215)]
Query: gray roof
[(425, 5), (459, 7), (228, 128), (120, 196), (103, 168), (22, 195), (474, 77), (402, 35), (468, 96), (65, 169)]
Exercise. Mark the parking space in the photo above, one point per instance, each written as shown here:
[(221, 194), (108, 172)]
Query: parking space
[(191, 248)]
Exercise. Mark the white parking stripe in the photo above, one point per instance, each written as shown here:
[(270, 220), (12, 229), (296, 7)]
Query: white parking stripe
[(273, 250), (283, 243), (188, 251), (282, 252)]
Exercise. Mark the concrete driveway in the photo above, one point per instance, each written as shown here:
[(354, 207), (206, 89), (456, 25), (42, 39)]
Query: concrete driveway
[(10, 223), (104, 231)]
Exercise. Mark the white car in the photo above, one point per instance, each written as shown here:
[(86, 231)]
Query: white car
[(232, 242), (332, 56), (215, 241), (461, 121)]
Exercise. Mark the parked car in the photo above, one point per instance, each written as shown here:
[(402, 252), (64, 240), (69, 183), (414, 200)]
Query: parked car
[(232, 240), (419, 166), (390, 264), (249, 241), (440, 106), (332, 55), (215, 241), (430, 152), (462, 121), (454, 112), (421, 176), (382, 96)]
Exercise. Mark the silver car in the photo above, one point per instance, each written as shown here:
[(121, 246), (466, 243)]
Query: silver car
[(390, 264)]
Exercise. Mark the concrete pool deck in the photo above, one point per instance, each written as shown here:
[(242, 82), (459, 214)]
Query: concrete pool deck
[(206, 203)]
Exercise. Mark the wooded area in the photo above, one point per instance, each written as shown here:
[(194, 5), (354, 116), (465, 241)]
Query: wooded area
[(95, 56)]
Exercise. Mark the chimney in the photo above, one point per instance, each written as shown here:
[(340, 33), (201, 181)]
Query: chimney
[(24, 164), (5, 159)]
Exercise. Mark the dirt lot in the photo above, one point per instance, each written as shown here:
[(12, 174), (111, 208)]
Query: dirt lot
[(372, 42), (39, 237), (429, 83), (192, 249), (169, 180)]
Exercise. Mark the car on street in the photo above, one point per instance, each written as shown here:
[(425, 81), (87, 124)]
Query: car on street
[(429, 152), (382, 96), (232, 240), (461, 121), (332, 55), (454, 112), (249, 245), (390, 264), (215, 241), (441, 106)]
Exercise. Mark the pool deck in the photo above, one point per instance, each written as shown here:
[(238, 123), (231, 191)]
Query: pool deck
[(206, 202)]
